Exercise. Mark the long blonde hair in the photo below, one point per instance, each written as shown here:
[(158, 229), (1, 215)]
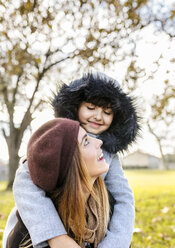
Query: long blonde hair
[(70, 199)]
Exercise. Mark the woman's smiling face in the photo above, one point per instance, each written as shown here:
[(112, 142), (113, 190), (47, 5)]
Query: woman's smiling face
[(92, 155)]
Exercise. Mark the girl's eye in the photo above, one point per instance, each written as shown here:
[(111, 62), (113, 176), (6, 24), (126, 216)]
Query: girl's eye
[(90, 108), (86, 142), (107, 113)]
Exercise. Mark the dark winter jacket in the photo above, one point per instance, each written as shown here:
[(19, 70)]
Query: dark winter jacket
[(101, 90)]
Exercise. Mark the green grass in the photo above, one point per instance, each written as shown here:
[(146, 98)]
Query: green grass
[(6, 204), (155, 208)]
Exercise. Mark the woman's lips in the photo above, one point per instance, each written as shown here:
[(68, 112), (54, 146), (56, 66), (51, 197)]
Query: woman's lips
[(101, 157)]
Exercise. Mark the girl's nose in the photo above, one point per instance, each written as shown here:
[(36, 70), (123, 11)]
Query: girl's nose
[(98, 114)]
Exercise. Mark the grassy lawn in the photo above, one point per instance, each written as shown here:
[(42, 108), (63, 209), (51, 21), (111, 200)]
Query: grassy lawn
[(6, 204), (155, 208)]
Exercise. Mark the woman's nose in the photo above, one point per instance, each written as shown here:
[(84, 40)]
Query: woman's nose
[(99, 143)]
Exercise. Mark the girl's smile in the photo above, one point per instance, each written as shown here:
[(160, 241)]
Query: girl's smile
[(95, 119), (94, 124)]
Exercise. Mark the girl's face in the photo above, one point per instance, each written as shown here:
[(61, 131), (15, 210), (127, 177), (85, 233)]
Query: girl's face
[(92, 155), (95, 119)]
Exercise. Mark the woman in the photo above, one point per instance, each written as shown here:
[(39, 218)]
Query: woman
[(67, 163)]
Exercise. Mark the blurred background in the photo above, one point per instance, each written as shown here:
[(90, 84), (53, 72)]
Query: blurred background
[(44, 43)]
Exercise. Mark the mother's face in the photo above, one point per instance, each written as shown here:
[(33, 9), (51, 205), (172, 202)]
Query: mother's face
[(92, 154)]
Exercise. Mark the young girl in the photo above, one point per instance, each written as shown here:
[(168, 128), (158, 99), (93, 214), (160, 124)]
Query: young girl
[(67, 163), (106, 112)]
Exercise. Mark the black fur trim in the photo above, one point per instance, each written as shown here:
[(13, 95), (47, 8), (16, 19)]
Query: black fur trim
[(101, 90)]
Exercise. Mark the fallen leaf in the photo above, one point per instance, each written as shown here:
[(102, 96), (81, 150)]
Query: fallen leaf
[(137, 230), (1, 216), (158, 218), (165, 210), (164, 236)]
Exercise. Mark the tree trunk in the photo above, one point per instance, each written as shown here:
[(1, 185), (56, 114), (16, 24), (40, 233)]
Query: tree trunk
[(13, 149), (164, 162), (13, 165)]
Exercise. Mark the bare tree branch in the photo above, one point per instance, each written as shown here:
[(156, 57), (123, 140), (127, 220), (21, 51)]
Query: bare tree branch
[(38, 104), (4, 133), (51, 65), (16, 88), (160, 145)]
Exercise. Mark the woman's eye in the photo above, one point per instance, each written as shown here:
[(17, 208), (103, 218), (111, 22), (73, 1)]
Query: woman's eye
[(86, 142)]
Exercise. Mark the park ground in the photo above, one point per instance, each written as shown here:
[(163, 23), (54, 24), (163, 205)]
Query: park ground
[(154, 193)]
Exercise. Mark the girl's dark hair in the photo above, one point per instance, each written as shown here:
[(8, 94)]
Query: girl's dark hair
[(101, 90), (97, 89)]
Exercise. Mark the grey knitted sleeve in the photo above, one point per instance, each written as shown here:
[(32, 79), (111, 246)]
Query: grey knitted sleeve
[(121, 226), (36, 209)]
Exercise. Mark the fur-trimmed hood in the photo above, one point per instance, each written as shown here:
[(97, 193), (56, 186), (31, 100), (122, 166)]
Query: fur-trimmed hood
[(99, 89)]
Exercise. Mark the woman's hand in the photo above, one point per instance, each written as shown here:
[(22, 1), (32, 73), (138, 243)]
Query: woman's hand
[(63, 241)]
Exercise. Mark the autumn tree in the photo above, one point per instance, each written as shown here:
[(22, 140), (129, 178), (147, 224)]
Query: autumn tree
[(37, 37), (161, 104), (161, 121)]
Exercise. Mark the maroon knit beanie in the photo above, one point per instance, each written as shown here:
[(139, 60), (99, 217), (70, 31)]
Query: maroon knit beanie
[(50, 151)]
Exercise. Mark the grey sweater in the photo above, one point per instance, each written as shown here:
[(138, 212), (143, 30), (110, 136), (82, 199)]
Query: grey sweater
[(43, 222)]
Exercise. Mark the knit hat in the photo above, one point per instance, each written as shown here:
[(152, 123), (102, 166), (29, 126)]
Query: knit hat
[(50, 151)]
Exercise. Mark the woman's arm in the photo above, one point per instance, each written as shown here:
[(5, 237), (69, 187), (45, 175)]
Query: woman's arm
[(38, 212), (63, 241), (121, 226)]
